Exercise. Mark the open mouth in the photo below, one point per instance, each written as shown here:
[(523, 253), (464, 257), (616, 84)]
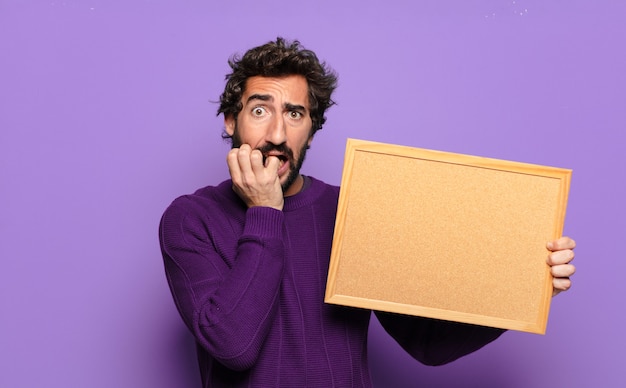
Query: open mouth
[(282, 158)]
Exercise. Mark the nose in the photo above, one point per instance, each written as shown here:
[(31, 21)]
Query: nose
[(277, 132)]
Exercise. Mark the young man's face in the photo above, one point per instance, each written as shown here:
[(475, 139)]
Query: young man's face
[(275, 119)]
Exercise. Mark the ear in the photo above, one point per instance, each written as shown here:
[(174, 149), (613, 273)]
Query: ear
[(229, 124)]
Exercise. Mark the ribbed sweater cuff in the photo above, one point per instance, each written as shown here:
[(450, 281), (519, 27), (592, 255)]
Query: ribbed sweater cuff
[(264, 222)]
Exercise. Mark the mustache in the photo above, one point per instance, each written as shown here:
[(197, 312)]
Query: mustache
[(280, 148)]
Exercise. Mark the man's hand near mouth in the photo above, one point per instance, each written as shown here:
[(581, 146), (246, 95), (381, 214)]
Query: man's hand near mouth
[(255, 176)]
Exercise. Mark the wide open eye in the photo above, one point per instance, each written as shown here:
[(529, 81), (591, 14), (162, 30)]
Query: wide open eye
[(258, 111), (295, 115)]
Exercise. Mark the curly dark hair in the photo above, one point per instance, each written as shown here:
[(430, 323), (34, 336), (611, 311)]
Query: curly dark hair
[(277, 59)]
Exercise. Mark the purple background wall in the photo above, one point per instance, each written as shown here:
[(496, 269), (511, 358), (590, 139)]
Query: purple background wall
[(105, 117)]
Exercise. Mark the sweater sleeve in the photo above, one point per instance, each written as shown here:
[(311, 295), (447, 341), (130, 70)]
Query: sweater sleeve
[(436, 342), (229, 303)]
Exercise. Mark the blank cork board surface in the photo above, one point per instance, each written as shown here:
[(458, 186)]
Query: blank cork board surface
[(446, 236)]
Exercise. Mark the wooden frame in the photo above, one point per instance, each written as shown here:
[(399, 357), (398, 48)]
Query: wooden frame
[(446, 236)]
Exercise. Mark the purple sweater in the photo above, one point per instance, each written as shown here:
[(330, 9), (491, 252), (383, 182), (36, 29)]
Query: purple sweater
[(250, 283)]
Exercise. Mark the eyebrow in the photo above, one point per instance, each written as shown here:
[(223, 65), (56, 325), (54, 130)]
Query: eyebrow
[(267, 97), (262, 97), (292, 107)]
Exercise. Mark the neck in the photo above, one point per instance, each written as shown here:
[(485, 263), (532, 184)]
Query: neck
[(295, 187)]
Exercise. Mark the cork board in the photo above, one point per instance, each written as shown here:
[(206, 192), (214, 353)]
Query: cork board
[(446, 236)]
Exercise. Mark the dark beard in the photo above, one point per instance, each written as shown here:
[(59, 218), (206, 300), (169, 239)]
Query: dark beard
[(294, 165)]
